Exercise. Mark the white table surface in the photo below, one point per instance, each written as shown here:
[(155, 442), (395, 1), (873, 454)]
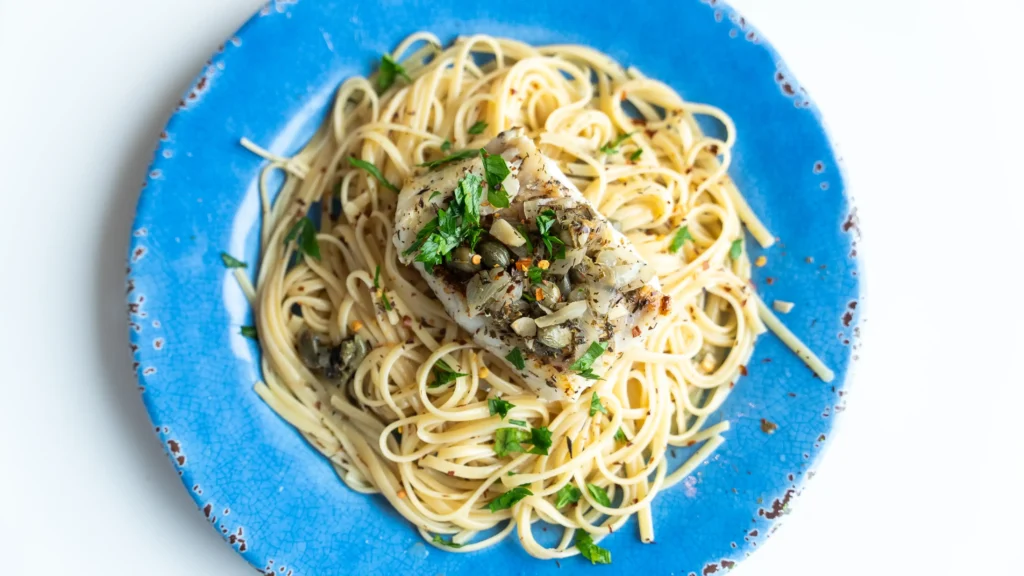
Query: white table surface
[(924, 98)]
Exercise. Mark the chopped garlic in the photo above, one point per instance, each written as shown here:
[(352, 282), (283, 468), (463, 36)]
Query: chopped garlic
[(783, 306), (761, 261)]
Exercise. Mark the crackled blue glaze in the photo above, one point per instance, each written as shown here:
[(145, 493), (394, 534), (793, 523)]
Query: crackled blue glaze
[(274, 498)]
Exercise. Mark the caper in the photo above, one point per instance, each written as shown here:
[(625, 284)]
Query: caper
[(576, 274), (493, 254), (577, 294), (314, 350), (345, 358), (462, 261), (557, 337), (552, 295), (563, 284)]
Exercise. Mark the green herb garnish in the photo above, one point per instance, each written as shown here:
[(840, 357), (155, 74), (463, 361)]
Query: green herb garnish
[(554, 244), (248, 332), (232, 262), (468, 193), (535, 274), (373, 171), (596, 406), (438, 540), (586, 362), (461, 155), (568, 494), (680, 238), (387, 303), (599, 494), (499, 407), (613, 146), (459, 223), (508, 440), (478, 128), (518, 422), (590, 551), (389, 70), (736, 249), (304, 232), (495, 171), (446, 146), (516, 358), (526, 236), (508, 499), (433, 195), (541, 440), (443, 374), (636, 155), (620, 436), (376, 277)]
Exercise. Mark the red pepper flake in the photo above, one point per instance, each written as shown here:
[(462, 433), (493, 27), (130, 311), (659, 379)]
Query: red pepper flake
[(639, 122), (451, 472), (636, 331), (705, 265), (768, 427), (769, 281), (743, 369), (623, 97)]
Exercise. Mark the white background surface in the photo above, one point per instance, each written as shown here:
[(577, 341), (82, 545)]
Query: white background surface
[(924, 99)]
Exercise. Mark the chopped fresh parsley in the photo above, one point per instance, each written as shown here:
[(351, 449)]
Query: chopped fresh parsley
[(508, 499), (613, 146), (516, 358), (554, 244), (636, 155), (586, 362), (478, 128), (736, 249), (376, 277), (508, 440), (535, 274), (495, 171), (389, 70), (599, 494), (526, 236), (461, 155), (384, 300), (590, 551), (443, 374), (453, 226), (620, 436), (541, 440), (438, 540), (372, 171), (248, 332), (680, 238), (433, 195), (518, 422), (446, 146), (304, 232), (596, 406), (568, 494), (232, 262), (468, 194), (499, 407)]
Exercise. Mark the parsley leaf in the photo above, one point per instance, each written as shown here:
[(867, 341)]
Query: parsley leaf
[(535, 274), (518, 422), (590, 551), (376, 277), (586, 362), (248, 332), (305, 232), (438, 540), (478, 128), (736, 249), (599, 494), (508, 440), (433, 195), (568, 494), (443, 374), (446, 146), (389, 70), (384, 300), (516, 358), (500, 407), (613, 146), (636, 155), (620, 436), (596, 406), (508, 499), (468, 193), (554, 244), (526, 236), (495, 170), (541, 440), (462, 155), (680, 238), (545, 220), (373, 171), (232, 262)]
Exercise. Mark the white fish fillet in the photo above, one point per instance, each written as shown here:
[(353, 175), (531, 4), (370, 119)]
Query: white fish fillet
[(623, 299)]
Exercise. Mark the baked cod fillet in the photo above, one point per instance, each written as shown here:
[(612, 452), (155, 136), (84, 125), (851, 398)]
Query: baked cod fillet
[(521, 260)]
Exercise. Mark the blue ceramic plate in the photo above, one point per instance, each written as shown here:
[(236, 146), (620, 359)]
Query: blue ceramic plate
[(273, 497)]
